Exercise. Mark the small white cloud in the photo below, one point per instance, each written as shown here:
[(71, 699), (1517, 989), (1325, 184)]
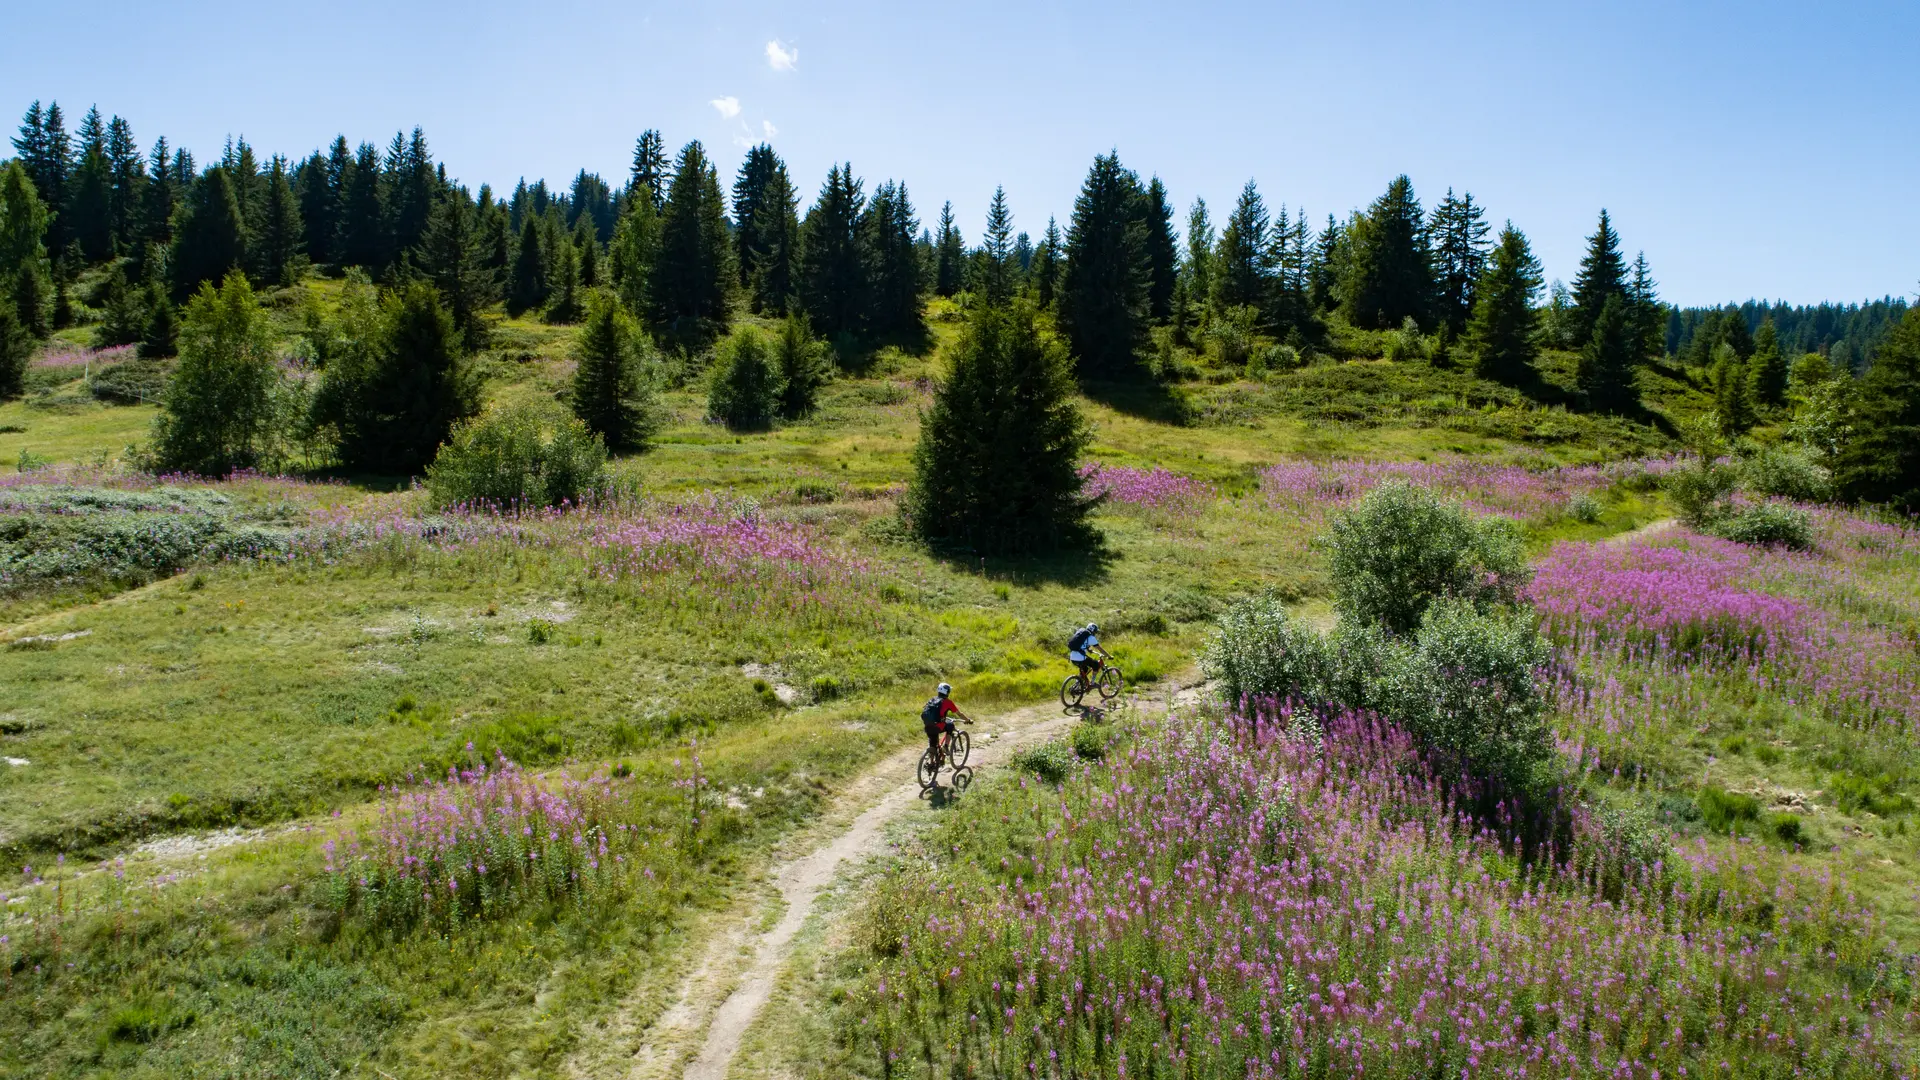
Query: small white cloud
[(728, 107), (767, 127), (782, 58)]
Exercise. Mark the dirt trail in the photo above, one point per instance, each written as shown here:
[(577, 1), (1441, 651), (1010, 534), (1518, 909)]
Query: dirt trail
[(1651, 528), (718, 1000)]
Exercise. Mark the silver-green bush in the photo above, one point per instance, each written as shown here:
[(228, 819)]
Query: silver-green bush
[(1402, 547), (518, 457)]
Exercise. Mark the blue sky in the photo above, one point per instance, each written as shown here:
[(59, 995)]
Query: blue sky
[(1757, 149)]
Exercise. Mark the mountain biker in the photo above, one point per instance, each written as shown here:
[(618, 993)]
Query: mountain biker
[(1081, 648), (933, 717)]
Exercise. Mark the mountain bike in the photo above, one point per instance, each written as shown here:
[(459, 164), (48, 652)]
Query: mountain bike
[(1106, 680), (959, 748)]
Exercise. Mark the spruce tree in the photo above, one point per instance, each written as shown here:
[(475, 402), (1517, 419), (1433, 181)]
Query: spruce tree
[(636, 239), (90, 210), (1603, 274), (1768, 368), (123, 316), (1732, 399), (1650, 317), (1735, 333), (1881, 464), (46, 153), (528, 288), (833, 277), (587, 243), (612, 394), (1201, 241), (996, 470), (745, 391), (211, 240), (569, 294), (996, 275), (397, 383), (894, 284), (950, 255), (411, 190), (1163, 259), (691, 280), (766, 230), (649, 175), (217, 414), (1460, 256), (160, 338), (1329, 267), (1045, 274), (801, 367), (321, 187), (591, 201), (1103, 291), (453, 257), (1241, 268), (1606, 369), (278, 251), (1501, 336), (16, 349), (362, 240), (30, 290), (1389, 272), (749, 189), (129, 174), (160, 198)]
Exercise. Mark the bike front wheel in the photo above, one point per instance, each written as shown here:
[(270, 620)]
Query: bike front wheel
[(1072, 691), (959, 745), (1110, 681), (929, 768)]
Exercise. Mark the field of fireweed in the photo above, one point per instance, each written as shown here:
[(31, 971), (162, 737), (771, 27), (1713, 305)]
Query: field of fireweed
[(1256, 896)]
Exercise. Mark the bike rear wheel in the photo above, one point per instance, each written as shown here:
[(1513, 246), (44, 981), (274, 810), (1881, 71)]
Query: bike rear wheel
[(1072, 691), (929, 768), (1110, 681), (959, 745)]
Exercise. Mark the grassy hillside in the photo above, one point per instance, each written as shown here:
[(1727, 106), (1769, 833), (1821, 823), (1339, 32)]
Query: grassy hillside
[(215, 690)]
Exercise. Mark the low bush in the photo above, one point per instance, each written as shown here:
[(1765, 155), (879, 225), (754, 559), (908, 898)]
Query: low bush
[(517, 458), (1786, 473), (745, 392), (1726, 811), (1403, 547), (1052, 762), (1089, 741), (1584, 509), (1767, 524)]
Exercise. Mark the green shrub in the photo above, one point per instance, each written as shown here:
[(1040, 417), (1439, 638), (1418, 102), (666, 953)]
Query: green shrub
[(1787, 473), (1787, 829), (1405, 344), (1876, 794), (1618, 843), (1584, 509), (1766, 524), (1052, 762), (1089, 741), (1402, 547), (1725, 811), (745, 391), (517, 457), (1261, 651), (802, 367)]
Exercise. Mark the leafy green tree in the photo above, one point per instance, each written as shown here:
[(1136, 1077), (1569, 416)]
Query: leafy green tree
[(218, 410), (1045, 273), (996, 470), (1459, 231), (1103, 291), (396, 381), (1768, 369), (453, 258), (1201, 241), (529, 287), (612, 394), (636, 239), (892, 262), (832, 267), (1162, 250), (1603, 274), (24, 269), (1502, 334), (211, 240), (277, 254), (997, 269), (745, 391), (801, 366), (363, 239), (1882, 462), (691, 281), (1389, 266), (1241, 270), (1606, 369)]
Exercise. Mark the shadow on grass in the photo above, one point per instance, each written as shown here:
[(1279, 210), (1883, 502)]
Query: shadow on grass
[(1144, 398), (1549, 393), (1075, 567)]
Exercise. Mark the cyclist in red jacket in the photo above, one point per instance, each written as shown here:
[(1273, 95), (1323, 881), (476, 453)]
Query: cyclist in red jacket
[(933, 717)]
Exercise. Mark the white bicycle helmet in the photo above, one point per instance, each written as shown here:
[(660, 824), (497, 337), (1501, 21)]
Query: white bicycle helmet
[(943, 689)]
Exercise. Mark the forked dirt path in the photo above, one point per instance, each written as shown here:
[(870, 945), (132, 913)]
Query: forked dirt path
[(698, 1034)]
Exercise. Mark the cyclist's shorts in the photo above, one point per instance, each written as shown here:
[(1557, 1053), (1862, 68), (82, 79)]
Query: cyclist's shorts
[(938, 727)]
